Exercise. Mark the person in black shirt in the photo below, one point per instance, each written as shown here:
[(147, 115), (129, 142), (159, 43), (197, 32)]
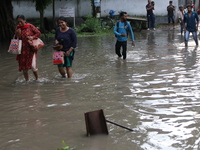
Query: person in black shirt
[(170, 10), (150, 15), (66, 36)]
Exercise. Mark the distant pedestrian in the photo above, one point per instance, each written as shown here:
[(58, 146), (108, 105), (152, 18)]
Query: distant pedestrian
[(180, 15), (154, 14), (185, 9), (150, 15), (170, 10), (121, 30), (198, 12), (191, 23), (191, 3)]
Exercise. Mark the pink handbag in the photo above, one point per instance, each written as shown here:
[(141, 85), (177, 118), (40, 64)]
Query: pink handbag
[(36, 44), (15, 46), (58, 57)]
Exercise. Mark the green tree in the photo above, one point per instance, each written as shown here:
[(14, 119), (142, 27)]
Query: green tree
[(41, 5), (7, 25), (93, 8)]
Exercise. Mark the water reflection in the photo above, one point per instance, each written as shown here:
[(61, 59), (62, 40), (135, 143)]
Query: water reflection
[(155, 91), (170, 37), (189, 57), (151, 38)]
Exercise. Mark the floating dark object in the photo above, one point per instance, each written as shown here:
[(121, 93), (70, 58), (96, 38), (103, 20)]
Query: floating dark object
[(57, 47), (96, 123)]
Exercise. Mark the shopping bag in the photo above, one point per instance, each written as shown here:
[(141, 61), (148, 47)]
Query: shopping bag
[(58, 57), (36, 44), (15, 46)]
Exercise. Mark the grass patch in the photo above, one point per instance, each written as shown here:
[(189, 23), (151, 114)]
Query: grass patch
[(84, 34), (91, 27), (65, 147)]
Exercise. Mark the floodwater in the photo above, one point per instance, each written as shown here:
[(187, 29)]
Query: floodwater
[(155, 92)]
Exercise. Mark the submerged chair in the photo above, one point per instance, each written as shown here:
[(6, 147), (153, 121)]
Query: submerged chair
[(96, 123)]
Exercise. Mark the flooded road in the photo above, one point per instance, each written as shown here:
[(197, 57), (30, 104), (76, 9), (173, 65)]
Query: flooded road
[(155, 92)]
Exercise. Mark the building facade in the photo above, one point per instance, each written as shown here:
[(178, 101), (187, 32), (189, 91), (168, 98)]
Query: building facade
[(83, 7)]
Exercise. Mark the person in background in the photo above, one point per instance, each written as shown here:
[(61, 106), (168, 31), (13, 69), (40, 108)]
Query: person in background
[(150, 16), (154, 15), (191, 23), (198, 12), (121, 30), (191, 3), (185, 9), (170, 10), (180, 15), (27, 58), (67, 37)]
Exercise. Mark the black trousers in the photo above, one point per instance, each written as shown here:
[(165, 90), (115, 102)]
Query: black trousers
[(118, 46)]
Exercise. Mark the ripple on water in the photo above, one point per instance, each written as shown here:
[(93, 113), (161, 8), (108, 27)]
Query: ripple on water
[(168, 123), (155, 91), (55, 79)]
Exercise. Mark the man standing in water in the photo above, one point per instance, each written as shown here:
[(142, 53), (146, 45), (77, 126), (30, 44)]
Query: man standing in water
[(191, 23), (154, 15), (121, 30), (170, 10), (180, 15), (150, 15)]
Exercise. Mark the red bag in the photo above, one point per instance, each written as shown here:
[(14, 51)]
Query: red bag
[(58, 57), (36, 44)]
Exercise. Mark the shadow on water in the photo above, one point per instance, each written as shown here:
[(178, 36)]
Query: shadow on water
[(155, 91)]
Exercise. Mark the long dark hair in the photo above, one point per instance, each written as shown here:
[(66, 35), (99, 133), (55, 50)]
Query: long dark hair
[(62, 18), (21, 17)]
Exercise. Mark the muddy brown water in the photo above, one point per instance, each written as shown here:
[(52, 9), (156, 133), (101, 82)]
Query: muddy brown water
[(155, 92)]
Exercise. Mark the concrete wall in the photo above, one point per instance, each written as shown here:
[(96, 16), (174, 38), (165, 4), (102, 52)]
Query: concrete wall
[(135, 7), (27, 8), (83, 7)]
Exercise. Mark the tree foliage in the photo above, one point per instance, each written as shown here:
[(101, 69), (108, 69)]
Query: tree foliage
[(41, 5), (93, 8)]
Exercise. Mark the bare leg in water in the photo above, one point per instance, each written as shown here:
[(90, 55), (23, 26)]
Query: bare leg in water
[(26, 76), (69, 72), (35, 74), (25, 72), (62, 72)]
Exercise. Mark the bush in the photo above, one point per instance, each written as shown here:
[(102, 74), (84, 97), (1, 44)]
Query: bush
[(91, 25)]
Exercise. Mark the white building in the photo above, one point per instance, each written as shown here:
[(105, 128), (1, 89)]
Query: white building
[(83, 7)]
